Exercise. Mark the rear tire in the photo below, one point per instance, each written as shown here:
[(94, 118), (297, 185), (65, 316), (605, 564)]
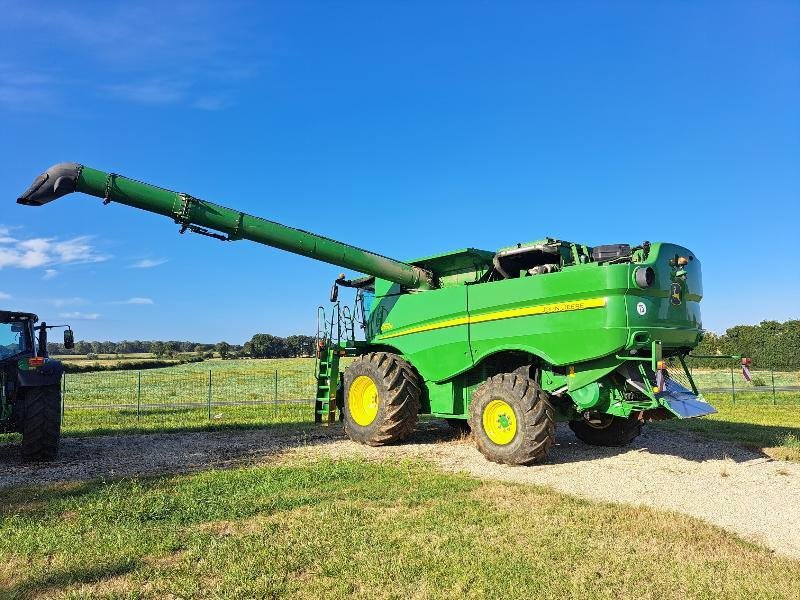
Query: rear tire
[(610, 431), (41, 423), (512, 420), (381, 399)]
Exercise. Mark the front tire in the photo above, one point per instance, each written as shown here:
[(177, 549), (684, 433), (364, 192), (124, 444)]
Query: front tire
[(381, 399), (41, 423), (606, 430), (512, 420)]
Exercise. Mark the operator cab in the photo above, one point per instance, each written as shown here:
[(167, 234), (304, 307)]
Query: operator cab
[(16, 334)]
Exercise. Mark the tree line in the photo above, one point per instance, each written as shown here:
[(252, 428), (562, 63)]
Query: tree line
[(769, 344), (261, 345)]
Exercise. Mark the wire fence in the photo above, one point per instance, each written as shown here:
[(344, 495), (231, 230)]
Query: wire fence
[(765, 386), (149, 398), (201, 397)]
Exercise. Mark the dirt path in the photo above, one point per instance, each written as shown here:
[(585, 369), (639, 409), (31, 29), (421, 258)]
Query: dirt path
[(719, 482)]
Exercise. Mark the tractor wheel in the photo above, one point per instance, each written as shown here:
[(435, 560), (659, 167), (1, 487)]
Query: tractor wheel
[(41, 423), (381, 399), (606, 430), (512, 420)]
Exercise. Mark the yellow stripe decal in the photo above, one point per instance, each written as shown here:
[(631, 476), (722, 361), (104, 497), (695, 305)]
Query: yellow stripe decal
[(512, 313)]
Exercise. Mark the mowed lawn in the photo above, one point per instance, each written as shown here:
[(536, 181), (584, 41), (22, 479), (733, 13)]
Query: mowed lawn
[(352, 529)]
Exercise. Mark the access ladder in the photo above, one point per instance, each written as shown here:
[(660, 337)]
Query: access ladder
[(327, 382)]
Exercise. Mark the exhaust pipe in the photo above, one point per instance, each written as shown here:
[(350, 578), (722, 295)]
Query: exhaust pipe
[(59, 180)]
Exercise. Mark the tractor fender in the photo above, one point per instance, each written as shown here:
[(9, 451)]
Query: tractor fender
[(47, 374), (526, 348)]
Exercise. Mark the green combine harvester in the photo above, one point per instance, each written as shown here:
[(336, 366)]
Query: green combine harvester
[(505, 343)]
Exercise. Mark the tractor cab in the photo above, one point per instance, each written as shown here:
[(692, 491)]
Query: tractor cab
[(16, 335), (30, 384)]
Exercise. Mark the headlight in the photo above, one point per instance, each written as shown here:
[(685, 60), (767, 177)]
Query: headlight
[(644, 277)]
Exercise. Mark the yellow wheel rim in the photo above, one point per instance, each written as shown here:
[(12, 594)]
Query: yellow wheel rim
[(362, 400), (499, 422)]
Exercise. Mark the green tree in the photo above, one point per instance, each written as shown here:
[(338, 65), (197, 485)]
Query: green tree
[(265, 345), (223, 349)]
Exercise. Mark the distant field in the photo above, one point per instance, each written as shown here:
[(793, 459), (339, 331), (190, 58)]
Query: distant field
[(107, 360), (82, 357)]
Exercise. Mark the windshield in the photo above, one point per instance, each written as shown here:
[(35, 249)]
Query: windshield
[(13, 339)]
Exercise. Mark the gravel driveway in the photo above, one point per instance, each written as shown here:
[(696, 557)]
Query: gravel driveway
[(719, 482)]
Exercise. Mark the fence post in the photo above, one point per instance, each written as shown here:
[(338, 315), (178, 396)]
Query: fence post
[(772, 372), (733, 388), (209, 394), (63, 395), (276, 394), (139, 395)]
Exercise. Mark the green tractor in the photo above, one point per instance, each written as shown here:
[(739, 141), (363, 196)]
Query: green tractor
[(30, 384), (504, 342)]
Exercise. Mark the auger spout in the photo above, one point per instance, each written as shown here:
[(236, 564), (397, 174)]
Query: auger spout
[(204, 217)]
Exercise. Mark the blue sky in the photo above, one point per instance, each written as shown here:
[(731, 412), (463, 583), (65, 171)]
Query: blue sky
[(407, 128)]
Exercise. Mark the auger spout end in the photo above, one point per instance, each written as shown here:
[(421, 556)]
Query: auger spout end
[(59, 180)]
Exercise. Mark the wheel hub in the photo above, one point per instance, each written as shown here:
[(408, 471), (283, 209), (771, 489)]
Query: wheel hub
[(362, 400), (500, 422)]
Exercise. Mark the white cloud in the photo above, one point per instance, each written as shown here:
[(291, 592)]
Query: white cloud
[(189, 51), (148, 263), (154, 92), (63, 302), (49, 274), (212, 102), (135, 300), (33, 253), (79, 316), (24, 91), (4, 296)]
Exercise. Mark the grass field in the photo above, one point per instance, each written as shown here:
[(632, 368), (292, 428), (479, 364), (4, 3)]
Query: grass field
[(343, 529)]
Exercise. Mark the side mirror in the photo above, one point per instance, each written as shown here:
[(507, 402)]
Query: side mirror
[(69, 339), (334, 292)]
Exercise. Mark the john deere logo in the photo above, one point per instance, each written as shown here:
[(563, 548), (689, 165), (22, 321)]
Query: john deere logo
[(675, 294)]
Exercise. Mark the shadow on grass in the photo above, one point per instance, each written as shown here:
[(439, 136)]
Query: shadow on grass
[(746, 440), (55, 580), (174, 448), (751, 435), (172, 451), (36, 499)]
